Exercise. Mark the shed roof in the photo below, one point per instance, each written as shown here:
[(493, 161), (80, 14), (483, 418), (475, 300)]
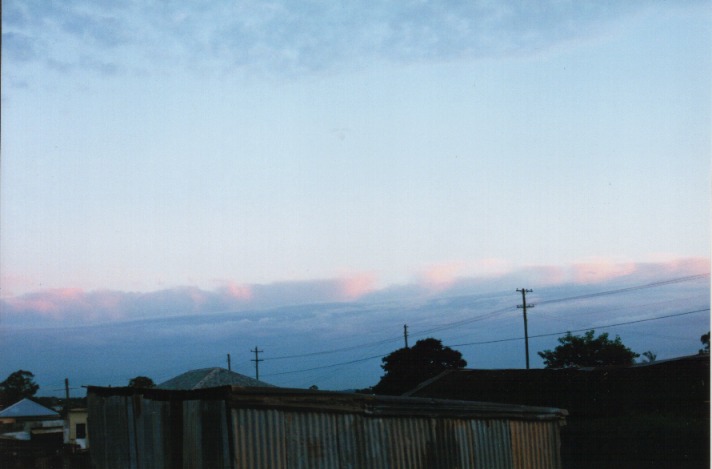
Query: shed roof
[(27, 408), (210, 378), (339, 402), (676, 385)]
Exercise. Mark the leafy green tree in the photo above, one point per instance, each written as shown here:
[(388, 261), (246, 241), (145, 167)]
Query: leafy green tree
[(705, 339), (17, 386), (407, 367), (587, 350), (141, 382), (650, 357)]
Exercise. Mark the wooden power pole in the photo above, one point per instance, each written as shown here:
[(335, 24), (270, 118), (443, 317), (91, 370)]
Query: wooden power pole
[(66, 394), (524, 307), (257, 361)]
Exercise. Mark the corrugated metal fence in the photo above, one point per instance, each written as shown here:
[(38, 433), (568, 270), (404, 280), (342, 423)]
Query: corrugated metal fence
[(273, 429)]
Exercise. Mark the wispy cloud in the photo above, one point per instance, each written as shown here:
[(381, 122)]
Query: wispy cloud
[(288, 36)]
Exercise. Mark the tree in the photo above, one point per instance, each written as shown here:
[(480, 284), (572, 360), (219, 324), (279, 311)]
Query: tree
[(141, 382), (407, 367), (650, 357), (587, 350), (17, 386), (705, 339)]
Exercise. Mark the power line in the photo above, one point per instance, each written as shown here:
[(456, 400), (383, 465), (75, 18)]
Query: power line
[(494, 313), (351, 362), (566, 299), (627, 289), (584, 329), (359, 360), (343, 349), (462, 322)]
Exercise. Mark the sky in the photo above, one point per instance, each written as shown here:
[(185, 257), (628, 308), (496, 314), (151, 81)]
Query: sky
[(182, 180)]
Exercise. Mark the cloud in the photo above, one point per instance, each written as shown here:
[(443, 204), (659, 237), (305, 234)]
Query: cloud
[(356, 286), (442, 276), (67, 303), (237, 291), (288, 37), (473, 314), (599, 270), (74, 305), (602, 270)]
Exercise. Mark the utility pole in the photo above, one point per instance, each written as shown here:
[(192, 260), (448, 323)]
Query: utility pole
[(405, 334), (66, 393), (229, 368), (524, 307), (257, 361)]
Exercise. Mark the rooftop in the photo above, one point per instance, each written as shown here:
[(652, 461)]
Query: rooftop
[(210, 378), (27, 408)]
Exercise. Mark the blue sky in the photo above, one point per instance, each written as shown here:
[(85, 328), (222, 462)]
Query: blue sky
[(165, 159)]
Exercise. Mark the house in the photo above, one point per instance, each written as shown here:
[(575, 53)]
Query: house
[(76, 431), (647, 415), (210, 378), (679, 384), (29, 432), (27, 414), (271, 427)]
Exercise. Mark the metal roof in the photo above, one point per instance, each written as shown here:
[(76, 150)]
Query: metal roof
[(680, 385), (28, 408), (333, 401), (210, 378)]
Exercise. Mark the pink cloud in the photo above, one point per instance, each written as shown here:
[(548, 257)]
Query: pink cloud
[(440, 277), (356, 286), (54, 303), (77, 305), (238, 291), (10, 284), (601, 270)]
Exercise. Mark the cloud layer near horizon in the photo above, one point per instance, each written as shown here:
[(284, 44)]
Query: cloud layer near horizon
[(73, 305), (660, 307)]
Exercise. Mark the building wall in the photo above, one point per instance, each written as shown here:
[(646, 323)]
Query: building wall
[(77, 428), (266, 439), (174, 431)]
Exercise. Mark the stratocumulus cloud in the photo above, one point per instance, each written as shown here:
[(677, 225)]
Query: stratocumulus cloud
[(440, 277), (70, 305), (659, 313), (356, 286)]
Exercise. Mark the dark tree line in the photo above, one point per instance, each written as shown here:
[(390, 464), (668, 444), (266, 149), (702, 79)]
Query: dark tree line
[(588, 351), (407, 367)]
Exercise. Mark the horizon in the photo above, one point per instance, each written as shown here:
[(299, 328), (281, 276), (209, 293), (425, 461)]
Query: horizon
[(666, 316)]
